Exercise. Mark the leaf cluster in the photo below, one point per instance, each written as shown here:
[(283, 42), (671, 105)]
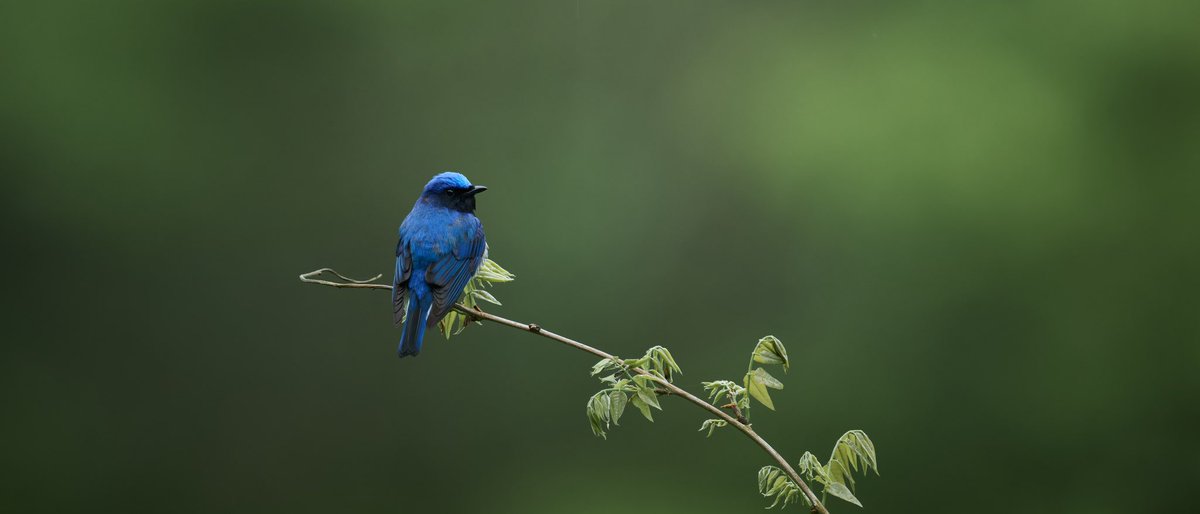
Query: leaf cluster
[(657, 361), (755, 383), (758, 381), (854, 451), (632, 382), (712, 424), (721, 389), (773, 482)]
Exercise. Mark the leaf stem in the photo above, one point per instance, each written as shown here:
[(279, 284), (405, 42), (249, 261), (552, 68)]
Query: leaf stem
[(746, 384), (745, 428)]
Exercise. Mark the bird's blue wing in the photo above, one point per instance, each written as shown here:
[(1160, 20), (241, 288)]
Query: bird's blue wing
[(400, 281), (448, 276)]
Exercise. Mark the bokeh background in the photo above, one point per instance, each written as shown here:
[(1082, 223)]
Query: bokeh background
[(973, 225)]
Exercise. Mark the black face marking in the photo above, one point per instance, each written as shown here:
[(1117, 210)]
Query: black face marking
[(462, 200)]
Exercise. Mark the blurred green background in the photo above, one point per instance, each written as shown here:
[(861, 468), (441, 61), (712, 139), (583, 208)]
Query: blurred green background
[(973, 225)]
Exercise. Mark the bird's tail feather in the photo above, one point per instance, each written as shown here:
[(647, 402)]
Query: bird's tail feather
[(414, 325)]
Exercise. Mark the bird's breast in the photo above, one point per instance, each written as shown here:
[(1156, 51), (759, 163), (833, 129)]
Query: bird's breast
[(432, 234)]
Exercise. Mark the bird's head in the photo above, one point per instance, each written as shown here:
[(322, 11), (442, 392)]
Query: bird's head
[(453, 191)]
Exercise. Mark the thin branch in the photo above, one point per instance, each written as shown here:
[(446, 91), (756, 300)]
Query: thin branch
[(349, 282), (744, 427)]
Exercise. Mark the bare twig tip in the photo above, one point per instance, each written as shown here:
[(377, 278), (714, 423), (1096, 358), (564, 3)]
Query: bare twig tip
[(348, 282)]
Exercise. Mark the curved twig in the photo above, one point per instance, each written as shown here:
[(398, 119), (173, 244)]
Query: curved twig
[(349, 282), (745, 428)]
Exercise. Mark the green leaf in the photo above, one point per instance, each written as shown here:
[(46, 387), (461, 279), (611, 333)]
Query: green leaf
[(756, 389), (810, 466), (778, 485), (617, 401), (596, 415), (766, 478), (842, 492), (717, 395), (784, 498), (604, 364), (854, 451), (713, 390), (770, 350), (766, 359), (637, 363), (446, 327), (766, 379), (772, 481), (648, 396), (485, 296), (720, 389), (670, 360), (490, 272), (712, 424), (839, 472), (662, 361), (641, 406)]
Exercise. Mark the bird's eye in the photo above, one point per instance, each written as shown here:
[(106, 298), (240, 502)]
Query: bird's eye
[(450, 191)]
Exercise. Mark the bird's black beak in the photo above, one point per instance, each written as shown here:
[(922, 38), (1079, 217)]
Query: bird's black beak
[(476, 190)]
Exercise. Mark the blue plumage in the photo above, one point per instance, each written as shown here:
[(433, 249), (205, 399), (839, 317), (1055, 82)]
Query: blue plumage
[(441, 247)]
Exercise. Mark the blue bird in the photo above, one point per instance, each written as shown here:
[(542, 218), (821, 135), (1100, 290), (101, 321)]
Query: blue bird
[(441, 247)]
